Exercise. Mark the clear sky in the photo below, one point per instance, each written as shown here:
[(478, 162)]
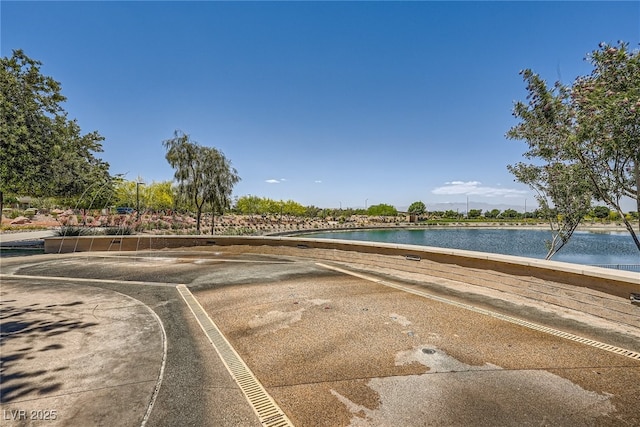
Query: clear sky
[(326, 103)]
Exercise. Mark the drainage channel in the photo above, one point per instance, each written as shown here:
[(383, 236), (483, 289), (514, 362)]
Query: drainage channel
[(264, 406), (617, 350)]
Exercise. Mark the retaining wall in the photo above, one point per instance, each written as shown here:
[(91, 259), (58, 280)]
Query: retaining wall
[(412, 258)]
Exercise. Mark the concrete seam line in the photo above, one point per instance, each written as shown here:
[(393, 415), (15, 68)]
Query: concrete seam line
[(267, 410), (85, 280), (156, 390), (178, 259), (603, 346)]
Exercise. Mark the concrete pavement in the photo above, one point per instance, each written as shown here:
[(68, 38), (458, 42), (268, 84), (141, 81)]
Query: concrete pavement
[(107, 339), (69, 348), (25, 236)]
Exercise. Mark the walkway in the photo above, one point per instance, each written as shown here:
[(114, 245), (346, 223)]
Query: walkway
[(22, 236), (116, 339)]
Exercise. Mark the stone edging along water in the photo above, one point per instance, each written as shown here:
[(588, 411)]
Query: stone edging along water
[(399, 256)]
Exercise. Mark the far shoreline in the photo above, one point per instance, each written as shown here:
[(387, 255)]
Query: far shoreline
[(233, 224), (596, 228)]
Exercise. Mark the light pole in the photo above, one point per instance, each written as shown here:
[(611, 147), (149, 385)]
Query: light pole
[(365, 204), (467, 207), (138, 198)]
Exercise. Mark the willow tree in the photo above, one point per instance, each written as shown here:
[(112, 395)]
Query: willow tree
[(204, 175), (42, 151), (592, 126)]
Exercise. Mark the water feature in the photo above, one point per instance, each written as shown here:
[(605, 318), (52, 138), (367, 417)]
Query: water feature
[(585, 247)]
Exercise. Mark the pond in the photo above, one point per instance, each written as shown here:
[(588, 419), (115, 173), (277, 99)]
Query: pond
[(611, 248)]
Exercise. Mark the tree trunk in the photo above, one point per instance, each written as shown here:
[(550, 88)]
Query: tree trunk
[(637, 170), (1, 205), (198, 215), (629, 226)]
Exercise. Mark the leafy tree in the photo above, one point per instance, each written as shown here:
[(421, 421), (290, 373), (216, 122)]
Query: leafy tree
[(269, 206), (159, 195), (382, 210), (248, 205), (263, 206), (417, 208), (154, 196), (593, 124), (451, 214), (607, 143), (493, 213), (204, 175), (293, 208), (510, 213), (600, 212), (560, 188), (314, 212), (474, 213), (42, 152), (125, 193)]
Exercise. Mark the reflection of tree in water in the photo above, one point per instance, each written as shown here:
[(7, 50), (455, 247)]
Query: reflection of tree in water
[(14, 381)]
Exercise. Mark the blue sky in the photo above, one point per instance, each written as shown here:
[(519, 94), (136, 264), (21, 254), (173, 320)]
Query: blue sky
[(326, 103)]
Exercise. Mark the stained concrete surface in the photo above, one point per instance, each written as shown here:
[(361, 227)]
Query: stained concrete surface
[(66, 350), (330, 348)]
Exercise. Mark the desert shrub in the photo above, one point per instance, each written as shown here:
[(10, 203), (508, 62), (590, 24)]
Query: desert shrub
[(71, 231), (124, 230), (13, 214), (239, 231)]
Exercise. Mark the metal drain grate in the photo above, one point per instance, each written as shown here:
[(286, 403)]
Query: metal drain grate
[(617, 350), (264, 406)]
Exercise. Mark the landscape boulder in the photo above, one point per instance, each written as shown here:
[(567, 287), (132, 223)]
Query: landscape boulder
[(20, 220)]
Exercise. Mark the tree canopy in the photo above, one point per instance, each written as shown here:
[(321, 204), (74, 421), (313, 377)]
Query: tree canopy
[(474, 213), (586, 135), (204, 175), (265, 206), (154, 196), (564, 197), (417, 208), (382, 210), (42, 152)]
